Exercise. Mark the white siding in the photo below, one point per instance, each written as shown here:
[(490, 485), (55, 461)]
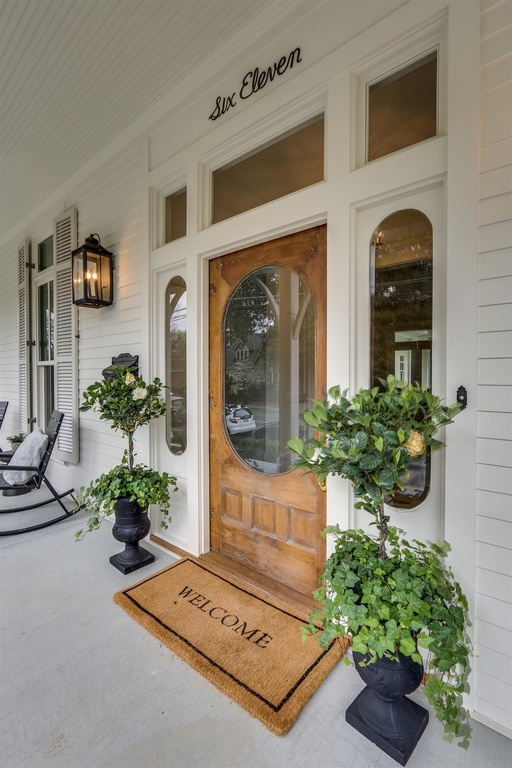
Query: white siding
[(9, 338), (493, 600), (109, 203)]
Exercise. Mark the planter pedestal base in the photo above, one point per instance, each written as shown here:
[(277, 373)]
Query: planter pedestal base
[(131, 559), (400, 748), (131, 525)]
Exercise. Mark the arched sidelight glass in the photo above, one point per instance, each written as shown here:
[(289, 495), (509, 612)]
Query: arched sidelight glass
[(269, 366), (176, 364), (401, 317)]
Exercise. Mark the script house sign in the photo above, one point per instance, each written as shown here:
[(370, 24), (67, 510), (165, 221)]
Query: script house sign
[(254, 81)]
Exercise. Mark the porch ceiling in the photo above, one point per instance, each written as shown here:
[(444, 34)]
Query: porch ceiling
[(78, 75)]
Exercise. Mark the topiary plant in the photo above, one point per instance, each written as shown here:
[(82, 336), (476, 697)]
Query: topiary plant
[(397, 600), (128, 403)]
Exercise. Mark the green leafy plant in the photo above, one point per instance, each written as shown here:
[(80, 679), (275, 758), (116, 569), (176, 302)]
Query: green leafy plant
[(19, 438), (371, 440), (128, 403), (407, 598)]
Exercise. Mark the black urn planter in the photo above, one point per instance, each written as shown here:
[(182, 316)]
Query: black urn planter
[(382, 712), (131, 525)]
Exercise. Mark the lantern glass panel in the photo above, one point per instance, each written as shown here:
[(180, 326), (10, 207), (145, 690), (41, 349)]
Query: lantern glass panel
[(105, 275), (78, 277), (92, 275)]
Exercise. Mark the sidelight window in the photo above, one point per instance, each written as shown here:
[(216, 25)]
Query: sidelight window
[(401, 283), (176, 365)]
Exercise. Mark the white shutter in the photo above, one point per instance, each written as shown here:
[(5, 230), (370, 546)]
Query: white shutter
[(66, 347), (25, 356)]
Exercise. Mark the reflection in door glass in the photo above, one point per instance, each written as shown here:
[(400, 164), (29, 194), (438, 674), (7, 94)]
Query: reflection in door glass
[(401, 318), (269, 366), (176, 365)]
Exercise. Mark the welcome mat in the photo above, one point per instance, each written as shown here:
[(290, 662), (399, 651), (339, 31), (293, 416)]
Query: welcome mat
[(247, 645)]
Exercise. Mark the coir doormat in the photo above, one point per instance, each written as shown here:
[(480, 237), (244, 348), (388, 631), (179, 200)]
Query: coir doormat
[(248, 645)]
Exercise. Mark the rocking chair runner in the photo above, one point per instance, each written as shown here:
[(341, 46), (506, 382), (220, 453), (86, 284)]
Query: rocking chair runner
[(35, 482)]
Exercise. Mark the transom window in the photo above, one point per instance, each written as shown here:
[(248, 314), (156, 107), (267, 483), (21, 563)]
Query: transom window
[(402, 107), (291, 162), (175, 215)]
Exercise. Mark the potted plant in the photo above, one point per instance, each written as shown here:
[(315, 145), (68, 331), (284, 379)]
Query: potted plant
[(128, 489), (391, 596), (16, 440)]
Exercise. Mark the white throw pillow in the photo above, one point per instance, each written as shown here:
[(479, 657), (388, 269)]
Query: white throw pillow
[(29, 454)]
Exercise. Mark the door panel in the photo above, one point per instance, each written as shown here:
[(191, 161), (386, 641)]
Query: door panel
[(264, 515)]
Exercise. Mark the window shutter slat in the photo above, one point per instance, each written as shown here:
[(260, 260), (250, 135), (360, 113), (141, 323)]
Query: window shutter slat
[(66, 352)]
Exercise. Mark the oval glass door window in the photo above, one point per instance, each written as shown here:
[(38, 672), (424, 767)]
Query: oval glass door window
[(269, 369)]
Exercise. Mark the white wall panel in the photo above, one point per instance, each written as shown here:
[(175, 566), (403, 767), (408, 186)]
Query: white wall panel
[(495, 344), (498, 371), (495, 317), (495, 127), (494, 664), (493, 531), (493, 611), (9, 386), (495, 263), (493, 715), (492, 584), (495, 236), (491, 557), (493, 637), (497, 452), (496, 182), (493, 478), (495, 398), (494, 505), (495, 690), (495, 291), (497, 425), (496, 209)]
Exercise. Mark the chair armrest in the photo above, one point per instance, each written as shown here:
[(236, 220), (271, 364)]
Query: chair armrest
[(9, 467)]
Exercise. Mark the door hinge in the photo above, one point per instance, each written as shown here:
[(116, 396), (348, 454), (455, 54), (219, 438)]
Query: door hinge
[(213, 516)]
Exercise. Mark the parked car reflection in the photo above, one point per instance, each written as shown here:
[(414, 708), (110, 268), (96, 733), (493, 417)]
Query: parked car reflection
[(239, 420)]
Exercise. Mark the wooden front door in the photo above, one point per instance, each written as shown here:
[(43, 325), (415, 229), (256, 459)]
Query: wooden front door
[(267, 361)]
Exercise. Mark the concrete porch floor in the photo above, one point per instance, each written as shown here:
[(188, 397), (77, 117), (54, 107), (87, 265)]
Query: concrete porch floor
[(84, 686)]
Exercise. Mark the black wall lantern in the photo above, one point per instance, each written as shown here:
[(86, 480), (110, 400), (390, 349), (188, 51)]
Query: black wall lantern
[(93, 276)]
